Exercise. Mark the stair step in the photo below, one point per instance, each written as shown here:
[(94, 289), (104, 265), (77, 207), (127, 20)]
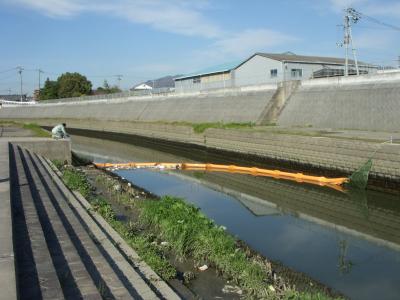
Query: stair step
[(36, 274), (134, 279), (110, 270), (73, 276)]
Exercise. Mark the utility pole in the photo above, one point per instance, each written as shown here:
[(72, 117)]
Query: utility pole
[(39, 72), (20, 69), (119, 78), (350, 16)]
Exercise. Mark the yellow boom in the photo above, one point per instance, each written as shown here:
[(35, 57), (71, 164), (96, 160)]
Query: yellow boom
[(298, 177)]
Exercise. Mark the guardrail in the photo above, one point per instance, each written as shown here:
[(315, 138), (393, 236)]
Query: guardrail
[(16, 103), (134, 93)]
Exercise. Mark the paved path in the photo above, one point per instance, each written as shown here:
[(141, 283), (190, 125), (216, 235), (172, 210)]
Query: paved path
[(61, 251)]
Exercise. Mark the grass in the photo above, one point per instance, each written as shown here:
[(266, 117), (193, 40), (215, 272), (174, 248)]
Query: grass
[(36, 129), (201, 127), (190, 234)]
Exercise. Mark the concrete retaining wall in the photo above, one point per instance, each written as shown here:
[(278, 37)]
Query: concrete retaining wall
[(334, 154), (365, 102), (232, 106), (49, 148)]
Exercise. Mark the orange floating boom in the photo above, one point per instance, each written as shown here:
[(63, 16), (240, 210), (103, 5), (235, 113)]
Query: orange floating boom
[(298, 177)]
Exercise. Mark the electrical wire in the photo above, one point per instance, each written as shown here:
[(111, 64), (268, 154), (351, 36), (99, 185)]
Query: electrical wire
[(8, 70), (376, 21)]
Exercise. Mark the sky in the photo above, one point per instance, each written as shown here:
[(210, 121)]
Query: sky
[(147, 39)]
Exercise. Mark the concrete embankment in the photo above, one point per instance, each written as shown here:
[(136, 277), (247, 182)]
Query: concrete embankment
[(300, 150), (52, 248), (222, 106), (364, 102)]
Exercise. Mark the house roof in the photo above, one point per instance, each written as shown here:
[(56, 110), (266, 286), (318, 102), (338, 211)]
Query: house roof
[(212, 70), (142, 86), (291, 57)]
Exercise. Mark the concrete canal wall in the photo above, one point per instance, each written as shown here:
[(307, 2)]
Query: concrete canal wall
[(369, 102), (339, 155), (239, 105)]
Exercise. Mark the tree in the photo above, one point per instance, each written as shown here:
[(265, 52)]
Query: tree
[(49, 91), (73, 85), (106, 89)]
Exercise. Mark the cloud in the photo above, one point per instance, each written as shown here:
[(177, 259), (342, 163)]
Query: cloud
[(339, 5), (51, 8), (252, 40), (175, 16)]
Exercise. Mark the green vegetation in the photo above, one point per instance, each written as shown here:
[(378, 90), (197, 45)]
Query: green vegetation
[(201, 127), (189, 234), (106, 89), (66, 85), (36, 129)]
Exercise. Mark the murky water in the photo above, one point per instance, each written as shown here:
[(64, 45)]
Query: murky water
[(349, 241)]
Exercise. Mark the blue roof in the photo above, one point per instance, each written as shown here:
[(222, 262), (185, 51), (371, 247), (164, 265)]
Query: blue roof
[(214, 69)]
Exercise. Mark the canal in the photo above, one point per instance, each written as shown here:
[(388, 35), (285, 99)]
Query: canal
[(349, 241)]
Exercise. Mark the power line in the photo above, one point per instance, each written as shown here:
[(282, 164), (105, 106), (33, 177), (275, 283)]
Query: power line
[(8, 70), (371, 19), (20, 69)]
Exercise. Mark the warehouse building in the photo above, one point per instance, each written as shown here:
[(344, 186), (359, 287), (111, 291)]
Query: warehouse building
[(268, 68)]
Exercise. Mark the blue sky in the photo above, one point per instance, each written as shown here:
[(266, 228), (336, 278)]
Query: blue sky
[(145, 39)]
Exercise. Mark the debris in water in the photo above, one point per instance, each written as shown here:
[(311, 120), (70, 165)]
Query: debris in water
[(203, 268), (271, 288), (188, 276), (232, 289)]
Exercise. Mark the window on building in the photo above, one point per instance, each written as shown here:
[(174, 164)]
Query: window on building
[(297, 72), (196, 80), (274, 73)]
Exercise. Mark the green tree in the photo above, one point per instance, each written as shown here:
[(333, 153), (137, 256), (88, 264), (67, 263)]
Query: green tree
[(73, 85), (106, 89), (49, 91)]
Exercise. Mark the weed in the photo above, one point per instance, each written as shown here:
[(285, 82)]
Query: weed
[(36, 129)]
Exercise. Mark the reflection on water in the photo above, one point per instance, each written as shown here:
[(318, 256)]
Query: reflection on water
[(349, 241)]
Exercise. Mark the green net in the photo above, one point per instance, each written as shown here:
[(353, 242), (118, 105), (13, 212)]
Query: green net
[(359, 178)]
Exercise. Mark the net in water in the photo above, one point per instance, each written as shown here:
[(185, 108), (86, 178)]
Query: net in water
[(359, 178)]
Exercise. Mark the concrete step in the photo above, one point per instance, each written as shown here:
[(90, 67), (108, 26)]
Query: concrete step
[(36, 274), (93, 219), (73, 276), (96, 259), (134, 284)]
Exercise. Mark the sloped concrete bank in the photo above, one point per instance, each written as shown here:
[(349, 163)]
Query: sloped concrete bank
[(327, 156), (368, 102)]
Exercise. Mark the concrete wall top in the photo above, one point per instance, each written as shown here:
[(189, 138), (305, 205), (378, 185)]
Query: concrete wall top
[(199, 94), (353, 80)]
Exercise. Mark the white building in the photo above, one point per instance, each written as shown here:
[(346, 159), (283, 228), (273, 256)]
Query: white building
[(142, 87), (267, 68)]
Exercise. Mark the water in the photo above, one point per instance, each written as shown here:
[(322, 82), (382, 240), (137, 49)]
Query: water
[(349, 241)]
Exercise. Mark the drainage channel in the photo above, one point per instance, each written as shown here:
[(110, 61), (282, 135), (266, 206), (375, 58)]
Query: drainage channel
[(348, 241)]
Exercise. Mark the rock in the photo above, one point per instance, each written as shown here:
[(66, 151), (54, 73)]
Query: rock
[(203, 268), (164, 243)]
